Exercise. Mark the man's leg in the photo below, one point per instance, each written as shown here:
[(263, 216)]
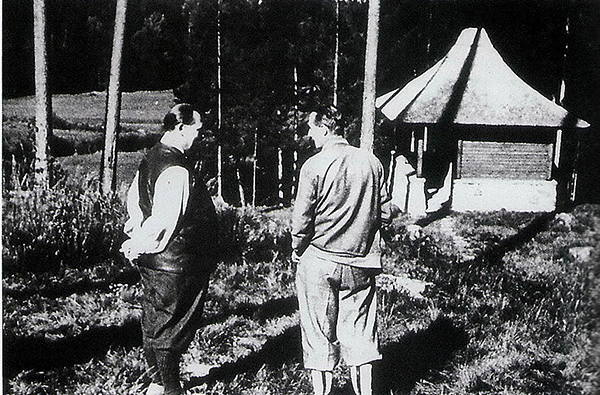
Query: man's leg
[(172, 307), (156, 386), (322, 381), (362, 379), (168, 365), (318, 304), (357, 326)]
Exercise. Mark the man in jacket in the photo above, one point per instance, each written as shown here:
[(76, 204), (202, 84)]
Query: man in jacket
[(173, 239), (341, 202)]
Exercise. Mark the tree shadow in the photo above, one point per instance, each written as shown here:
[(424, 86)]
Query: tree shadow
[(285, 347), (496, 252), (40, 353), (261, 312), (416, 354)]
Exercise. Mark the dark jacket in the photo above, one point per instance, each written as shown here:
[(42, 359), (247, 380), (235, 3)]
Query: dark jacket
[(193, 247)]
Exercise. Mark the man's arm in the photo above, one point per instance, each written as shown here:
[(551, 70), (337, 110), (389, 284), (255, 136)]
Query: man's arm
[(171, 194), (304, 211), (133, 207), (389, 211)]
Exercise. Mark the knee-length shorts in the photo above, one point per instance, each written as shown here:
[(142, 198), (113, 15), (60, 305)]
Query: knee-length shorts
[(338, 306), (172, 306)]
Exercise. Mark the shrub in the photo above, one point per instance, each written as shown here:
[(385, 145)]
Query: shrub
[(254, 234), (65, 225)]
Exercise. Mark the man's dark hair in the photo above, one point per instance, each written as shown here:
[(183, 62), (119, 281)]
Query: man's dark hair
[(181, 113), (330, 117)]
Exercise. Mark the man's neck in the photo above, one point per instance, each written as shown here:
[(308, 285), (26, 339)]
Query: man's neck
[(169, 140), (334, 139)]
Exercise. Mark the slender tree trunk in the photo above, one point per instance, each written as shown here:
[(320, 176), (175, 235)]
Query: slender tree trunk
[(296, 137), (43, 108), (240, 188), (254, 167), (337, 53), (280, 174), (368, 113), (113, 103), (219, 109)]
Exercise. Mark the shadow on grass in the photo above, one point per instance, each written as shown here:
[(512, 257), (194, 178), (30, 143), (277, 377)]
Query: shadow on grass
[(270, 309), (128, 276), (495, 253), (285, 347), (416, 355), (404, 362), (39, 353)]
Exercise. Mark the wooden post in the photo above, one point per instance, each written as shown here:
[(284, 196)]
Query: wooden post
[(113, 104), (420, 148)]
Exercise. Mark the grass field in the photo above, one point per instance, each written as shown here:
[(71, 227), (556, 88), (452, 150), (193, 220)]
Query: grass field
[(143, 110), (477, 303)]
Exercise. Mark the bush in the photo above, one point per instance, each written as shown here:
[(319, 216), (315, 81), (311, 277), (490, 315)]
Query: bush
[(253, 233), (65, 225)]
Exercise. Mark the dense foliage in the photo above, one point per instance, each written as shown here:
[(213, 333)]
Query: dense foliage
[(277, 57)]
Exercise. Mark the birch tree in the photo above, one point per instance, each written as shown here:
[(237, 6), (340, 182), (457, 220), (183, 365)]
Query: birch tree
[(336, 58), (219, 109), (43, 108), (113, 104)]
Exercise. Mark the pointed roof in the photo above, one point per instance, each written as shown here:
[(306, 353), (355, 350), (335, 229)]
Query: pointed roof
[(472, 85)]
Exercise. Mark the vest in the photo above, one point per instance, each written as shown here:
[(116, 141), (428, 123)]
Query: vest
[(193, 245)]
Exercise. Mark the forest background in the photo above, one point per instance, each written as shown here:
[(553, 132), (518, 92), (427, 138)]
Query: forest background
[(277, 60)]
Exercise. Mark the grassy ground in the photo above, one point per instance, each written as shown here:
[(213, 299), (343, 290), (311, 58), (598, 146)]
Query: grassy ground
[(88, 166), (497, 303), (506, 307), (143, 110)]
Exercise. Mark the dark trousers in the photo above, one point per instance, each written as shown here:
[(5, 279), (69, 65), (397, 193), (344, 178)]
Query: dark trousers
[(172, 305)]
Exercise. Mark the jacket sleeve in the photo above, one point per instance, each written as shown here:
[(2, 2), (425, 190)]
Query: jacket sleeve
[(169, 202), (303, 215), (388, 210)]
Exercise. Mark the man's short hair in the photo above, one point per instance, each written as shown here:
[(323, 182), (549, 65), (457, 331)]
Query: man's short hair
[(329, 117), (181, 113)]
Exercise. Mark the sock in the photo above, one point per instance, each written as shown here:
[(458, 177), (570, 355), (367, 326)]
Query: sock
[(153, 370), (322, 381)]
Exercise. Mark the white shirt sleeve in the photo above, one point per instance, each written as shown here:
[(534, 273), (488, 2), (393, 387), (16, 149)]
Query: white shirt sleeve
[(133, 207), (171, 194)]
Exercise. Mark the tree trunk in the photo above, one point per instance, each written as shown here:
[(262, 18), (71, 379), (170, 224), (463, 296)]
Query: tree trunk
[(43, 108), (337, 53), (296, 137), (219, 113), (113, 104), (368, 113), (254, 167)]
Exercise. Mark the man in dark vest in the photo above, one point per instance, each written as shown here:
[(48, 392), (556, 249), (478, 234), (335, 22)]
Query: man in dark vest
[(173, 238)]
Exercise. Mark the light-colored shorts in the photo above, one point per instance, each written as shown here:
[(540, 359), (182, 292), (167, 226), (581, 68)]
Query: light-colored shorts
[(338, 307)]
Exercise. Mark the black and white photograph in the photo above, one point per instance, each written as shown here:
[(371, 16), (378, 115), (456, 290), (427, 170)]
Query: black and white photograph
[(300, 197)]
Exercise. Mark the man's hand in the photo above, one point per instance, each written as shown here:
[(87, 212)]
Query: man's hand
[(295, 257), (394, 210), (130, 252)]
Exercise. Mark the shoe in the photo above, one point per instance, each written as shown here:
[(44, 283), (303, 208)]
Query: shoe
[(155, 389)]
